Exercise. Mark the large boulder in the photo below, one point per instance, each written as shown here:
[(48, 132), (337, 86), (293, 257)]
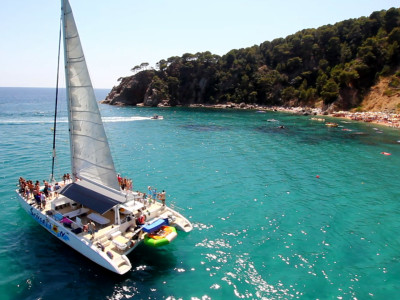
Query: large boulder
[(131, 90)]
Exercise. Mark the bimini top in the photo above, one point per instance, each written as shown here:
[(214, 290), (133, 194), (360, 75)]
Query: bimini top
[(93, 196)]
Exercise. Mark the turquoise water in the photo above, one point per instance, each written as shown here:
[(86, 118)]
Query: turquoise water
[(306, 212)]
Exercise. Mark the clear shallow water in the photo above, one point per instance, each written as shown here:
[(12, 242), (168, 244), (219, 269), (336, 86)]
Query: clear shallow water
[(265, 225)]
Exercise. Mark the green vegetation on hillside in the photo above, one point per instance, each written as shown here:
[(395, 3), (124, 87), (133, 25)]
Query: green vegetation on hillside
[(334, 64)]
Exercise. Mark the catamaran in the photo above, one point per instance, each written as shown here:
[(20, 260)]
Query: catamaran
[(91, 211)]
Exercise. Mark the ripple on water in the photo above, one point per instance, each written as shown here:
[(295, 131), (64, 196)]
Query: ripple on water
[(265, 226)]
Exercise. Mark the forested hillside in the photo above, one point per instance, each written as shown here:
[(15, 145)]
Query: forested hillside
[(331, 66)]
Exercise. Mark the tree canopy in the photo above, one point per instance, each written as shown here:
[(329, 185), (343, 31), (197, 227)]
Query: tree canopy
[(310, 66)]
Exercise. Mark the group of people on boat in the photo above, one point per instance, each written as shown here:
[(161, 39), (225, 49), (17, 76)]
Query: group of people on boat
[(66, 178), (153, 195), (35, 191), (41, 193), (125, 183)]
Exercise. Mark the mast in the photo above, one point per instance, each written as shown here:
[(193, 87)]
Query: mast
[(64, 26), (55, 108)]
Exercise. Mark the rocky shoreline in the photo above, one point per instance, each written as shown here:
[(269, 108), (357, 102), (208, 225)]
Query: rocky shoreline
[(381, 118)]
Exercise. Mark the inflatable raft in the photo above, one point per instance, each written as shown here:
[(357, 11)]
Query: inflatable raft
[(161, 237)]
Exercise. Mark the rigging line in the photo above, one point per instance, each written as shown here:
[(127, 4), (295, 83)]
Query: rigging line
[(55, 110)]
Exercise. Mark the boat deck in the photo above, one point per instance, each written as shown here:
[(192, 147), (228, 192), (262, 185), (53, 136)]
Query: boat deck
[(115, 232), (69, 209)]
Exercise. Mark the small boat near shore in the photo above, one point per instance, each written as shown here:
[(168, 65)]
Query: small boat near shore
[(331, 124), (318, 119), (157, 117)]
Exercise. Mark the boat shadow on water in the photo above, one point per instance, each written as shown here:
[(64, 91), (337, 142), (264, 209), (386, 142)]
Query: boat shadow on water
[(57, 266), (34, 240)]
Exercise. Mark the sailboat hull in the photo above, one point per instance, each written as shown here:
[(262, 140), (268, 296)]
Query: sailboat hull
[(83, 246)]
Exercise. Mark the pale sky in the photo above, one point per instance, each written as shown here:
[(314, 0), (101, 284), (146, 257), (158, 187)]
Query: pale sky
[(120, 34)]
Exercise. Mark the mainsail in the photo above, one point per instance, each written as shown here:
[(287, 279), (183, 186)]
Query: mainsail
[(90, 153)]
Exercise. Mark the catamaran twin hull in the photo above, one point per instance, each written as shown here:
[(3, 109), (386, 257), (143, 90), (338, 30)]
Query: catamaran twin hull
[(111, 243)]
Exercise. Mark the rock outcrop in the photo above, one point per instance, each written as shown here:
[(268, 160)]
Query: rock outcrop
[(132, 90)]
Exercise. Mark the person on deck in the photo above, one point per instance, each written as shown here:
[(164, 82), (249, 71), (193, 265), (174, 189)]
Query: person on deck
[(27, 192), (161, 196), (42, 200), (36, 196), (31, 187), (92, 229), (37, 186), (119, 179), (56, 187), (22, 184), (123, 183), (46, 188), (141, 219)]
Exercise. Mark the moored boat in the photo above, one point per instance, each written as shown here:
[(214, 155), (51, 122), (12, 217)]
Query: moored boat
[(331, 124), (317, 119)]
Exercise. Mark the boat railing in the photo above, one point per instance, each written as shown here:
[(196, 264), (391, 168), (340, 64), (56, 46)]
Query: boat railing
[(154, 214), (126, 260), (109, 234), (60, 202), (176, 208)]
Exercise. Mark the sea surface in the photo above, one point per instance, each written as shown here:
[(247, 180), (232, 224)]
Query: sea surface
[(304, 212)]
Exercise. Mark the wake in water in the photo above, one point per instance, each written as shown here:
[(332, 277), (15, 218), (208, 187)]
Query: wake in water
[(49, 120), (124, 119)]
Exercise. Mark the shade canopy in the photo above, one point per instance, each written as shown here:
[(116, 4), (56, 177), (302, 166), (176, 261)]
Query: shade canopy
[(90, 195), (155, 225)]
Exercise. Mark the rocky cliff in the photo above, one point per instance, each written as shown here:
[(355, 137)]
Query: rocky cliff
[(132, 90), (333, 67)]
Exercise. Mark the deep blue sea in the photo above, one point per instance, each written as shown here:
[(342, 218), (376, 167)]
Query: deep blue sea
[(305, 212)]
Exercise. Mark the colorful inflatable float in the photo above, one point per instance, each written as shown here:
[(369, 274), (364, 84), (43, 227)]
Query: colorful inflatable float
[(159, 233)]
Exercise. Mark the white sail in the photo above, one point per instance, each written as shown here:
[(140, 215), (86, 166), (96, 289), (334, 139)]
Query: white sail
[(90, 153)]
